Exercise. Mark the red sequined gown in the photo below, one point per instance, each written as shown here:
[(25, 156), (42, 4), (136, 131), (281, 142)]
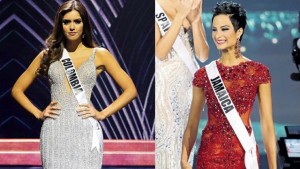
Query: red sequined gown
[(219, 146)]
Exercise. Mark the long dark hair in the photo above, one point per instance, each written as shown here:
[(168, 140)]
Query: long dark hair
[(237, 14), (56, 40)]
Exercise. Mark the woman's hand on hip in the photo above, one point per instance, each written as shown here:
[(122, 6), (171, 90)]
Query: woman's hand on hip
[(50, 111), (87, 110)]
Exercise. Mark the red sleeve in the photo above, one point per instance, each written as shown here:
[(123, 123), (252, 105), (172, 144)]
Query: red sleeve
[(199, 76), (263, 74)]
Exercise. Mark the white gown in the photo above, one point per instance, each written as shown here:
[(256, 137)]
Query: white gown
[(173, 96), (66, 142)]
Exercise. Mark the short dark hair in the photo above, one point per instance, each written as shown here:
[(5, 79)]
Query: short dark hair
[(237, 14)]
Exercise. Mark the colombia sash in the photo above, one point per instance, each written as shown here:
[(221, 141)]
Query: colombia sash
[(164, 24), (248, 142), (79, 93)]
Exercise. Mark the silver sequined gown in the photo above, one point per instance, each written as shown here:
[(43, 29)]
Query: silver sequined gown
[(66, 141), (173, 96)]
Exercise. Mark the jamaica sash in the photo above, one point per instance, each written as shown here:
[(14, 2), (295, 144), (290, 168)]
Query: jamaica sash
[(79, 93), (248, 142), (164, 24)]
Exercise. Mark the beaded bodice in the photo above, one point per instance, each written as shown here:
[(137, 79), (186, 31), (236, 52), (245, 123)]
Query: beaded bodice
[(242, 82)]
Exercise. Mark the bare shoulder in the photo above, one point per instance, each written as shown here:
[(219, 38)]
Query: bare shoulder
[(39, 57), (35, 64), (103, 56), (102, 51)]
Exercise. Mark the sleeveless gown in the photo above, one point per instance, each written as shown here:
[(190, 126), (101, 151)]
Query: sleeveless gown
[(173, 95), (66, 141), (219, 146)]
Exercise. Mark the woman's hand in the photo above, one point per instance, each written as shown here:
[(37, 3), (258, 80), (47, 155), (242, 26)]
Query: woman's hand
[(87, 110), (184, 7), (195, 12), (50, 111)]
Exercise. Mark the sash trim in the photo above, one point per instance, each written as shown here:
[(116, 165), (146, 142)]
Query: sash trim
[(80, 95)]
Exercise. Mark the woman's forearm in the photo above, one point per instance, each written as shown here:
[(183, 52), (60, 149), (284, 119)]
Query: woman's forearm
[(188, 142), (23, 100), (165, 43), (191, 130), (267, 124), (270, 144), (200, 43), (21, 85), (127, 96)]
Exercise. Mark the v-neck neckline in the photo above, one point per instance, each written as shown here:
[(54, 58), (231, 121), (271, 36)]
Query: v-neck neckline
[(67, 84), (84, 62)]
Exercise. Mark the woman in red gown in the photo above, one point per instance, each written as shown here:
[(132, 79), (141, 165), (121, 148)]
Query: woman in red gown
[(243, 79)]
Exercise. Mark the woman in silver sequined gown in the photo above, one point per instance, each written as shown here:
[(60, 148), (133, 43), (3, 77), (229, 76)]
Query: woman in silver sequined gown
[(173, 88), (67, 135)]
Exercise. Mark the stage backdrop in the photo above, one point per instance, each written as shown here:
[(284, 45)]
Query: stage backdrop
[(125, 28)]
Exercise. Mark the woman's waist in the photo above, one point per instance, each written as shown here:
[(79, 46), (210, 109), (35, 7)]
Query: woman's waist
[(61, 91), (215, 125), (70, 119), (68, 101), (177, 71)]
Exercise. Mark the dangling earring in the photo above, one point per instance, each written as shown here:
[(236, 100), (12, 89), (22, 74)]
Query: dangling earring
[(238, 48), (83, 36)]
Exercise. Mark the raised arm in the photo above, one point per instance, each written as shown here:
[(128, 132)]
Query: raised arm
[(199, 36), (164, 44), (267, 125), (104, 58), (191, 130)]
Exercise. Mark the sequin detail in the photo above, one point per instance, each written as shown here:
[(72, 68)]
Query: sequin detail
[(66, 141), (219, 146), (173, 94)]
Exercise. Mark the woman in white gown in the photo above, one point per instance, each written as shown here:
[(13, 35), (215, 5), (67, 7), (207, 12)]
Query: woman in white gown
[(173, 77)]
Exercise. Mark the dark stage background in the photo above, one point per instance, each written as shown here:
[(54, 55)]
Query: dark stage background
[(124, 27)]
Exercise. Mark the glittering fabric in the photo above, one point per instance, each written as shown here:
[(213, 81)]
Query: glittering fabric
[(173, 94), (219, 146), (66, 141)]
